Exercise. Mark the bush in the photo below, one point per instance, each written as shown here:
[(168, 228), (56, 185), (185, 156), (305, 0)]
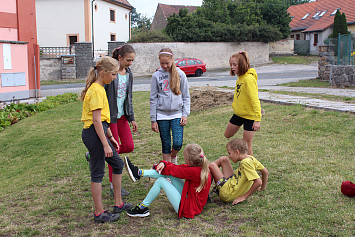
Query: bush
[(14, 112), (150, 36)]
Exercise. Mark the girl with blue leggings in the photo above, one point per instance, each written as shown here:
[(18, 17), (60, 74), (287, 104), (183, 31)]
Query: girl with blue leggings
[(169, 104), (187, 197)]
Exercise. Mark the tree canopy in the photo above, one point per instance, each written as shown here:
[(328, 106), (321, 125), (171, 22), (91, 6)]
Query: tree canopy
[(232, 21)]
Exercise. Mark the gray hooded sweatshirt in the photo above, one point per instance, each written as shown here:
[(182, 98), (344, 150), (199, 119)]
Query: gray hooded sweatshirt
[(163, 100)]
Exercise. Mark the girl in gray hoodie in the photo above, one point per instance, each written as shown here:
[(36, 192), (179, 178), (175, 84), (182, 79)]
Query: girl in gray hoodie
[(169, 104)]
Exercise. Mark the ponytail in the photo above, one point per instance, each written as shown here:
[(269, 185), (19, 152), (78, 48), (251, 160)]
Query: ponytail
[(242, 61), (195, 156), (91, 78)]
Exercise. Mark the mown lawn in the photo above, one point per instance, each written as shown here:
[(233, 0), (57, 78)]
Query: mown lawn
[(45, 188)]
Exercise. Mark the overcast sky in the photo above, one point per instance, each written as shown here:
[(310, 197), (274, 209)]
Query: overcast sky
[(148, 7)]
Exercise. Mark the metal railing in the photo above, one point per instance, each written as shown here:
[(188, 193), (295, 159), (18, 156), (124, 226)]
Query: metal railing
[(55, 52)]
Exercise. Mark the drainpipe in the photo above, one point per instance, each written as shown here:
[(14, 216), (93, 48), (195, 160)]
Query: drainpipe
[(92, 28)]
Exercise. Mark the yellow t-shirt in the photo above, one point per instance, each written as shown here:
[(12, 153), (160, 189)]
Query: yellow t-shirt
[(95, 98), (242, 179)]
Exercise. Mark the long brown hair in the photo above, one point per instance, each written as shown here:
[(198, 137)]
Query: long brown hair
[(243, 63), (122, 51), (195, 156), (106, 64), (174, 75)]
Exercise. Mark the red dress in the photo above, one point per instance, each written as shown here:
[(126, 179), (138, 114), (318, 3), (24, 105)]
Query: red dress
[(192, 202)]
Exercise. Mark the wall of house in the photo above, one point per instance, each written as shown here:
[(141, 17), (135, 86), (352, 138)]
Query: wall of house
[(56, 19), (159, 21), (14, 79), (51, 69), (103, 27), (215, 55), (282, 47), (351, 28)]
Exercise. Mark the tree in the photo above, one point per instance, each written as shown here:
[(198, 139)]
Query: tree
[(340, 25), (343, 25), (296, 2), (135, 16)]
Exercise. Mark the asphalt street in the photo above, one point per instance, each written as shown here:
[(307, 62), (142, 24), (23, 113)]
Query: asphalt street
[(268, 75)]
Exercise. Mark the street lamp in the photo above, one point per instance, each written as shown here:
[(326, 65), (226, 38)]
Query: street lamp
[(92, 28)]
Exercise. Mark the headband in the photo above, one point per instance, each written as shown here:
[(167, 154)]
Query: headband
[(166, 53)]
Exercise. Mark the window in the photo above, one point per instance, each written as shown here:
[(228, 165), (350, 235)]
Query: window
[(335, 11), (112, 15), (298, 36), (191, 62), (181, 63), (305, 16), (315, 42), (323, 13), (113, 37), (292, 36), (73, 39), (95, 7), (316, 15), (198, 62)]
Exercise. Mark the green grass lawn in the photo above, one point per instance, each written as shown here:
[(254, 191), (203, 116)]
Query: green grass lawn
[(45, 182), (295, 59)]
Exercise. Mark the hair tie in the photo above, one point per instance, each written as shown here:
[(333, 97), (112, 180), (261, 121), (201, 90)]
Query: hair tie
[(119, 48), (201, 156), (95, 67), (240, 52), (166, 53)]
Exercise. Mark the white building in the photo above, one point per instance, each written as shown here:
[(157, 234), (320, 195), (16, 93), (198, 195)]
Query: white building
[(61, 23)]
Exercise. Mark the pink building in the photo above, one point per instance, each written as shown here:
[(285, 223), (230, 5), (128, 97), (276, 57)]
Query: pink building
[(19, 51)]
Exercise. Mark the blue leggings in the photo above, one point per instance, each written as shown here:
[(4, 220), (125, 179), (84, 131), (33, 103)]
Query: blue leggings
[(173, 190), (177, 131)]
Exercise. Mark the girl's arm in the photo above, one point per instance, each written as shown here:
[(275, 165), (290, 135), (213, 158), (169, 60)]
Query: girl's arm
[(180, 171), (134, 126), (153, 99), (252, 90), (100, 132)]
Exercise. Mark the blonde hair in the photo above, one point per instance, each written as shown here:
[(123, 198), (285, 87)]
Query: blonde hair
[(238, 144), (243, 63), (106, 64), (174, 75), (196, 157)]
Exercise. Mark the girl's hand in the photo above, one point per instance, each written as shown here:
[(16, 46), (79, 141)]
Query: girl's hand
[(160, 167), (183, 121), (114, 143), (108, 151), (134, 126), (256, 125), (155, 127)]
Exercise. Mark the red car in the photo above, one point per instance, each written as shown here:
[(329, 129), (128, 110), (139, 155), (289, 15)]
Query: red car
[(191, 66)]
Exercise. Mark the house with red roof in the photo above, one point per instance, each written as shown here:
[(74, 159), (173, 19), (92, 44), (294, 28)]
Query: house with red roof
[(61, 23), (164, 11), (314, 21)]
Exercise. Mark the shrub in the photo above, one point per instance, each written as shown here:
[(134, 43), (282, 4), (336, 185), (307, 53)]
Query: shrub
[(14, 112), (150, 36)]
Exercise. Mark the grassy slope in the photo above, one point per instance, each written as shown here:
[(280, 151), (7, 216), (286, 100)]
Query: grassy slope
[(45, 178)]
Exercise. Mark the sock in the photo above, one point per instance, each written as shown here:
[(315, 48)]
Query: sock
[(140, 172), (142, 206), (174, 160), (121, 205), (98, 214)]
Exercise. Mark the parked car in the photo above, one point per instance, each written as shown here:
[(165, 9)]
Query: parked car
[(191, 66)]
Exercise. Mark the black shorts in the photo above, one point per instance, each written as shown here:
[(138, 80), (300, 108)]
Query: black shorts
[(238, 121)]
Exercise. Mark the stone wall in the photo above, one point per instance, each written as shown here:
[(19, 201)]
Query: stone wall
[(342, 76), (83, 58), (112, 45), (215, 55), (50, 69), (283, 47)]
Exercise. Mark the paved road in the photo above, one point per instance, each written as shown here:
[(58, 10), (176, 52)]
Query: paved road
[(268, 75)]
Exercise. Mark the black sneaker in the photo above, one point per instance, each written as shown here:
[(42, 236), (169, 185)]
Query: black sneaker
[(87, 156), (125, 207), (138, 212), (106, 217), (131, 169), (123, 192)]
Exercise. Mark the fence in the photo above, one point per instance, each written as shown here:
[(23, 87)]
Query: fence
[(341, 50), (55, 52)]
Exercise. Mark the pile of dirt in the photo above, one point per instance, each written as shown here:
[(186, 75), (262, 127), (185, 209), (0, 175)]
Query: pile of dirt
[(203, 98)]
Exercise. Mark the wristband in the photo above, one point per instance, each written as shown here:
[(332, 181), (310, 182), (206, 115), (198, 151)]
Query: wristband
[(109, 137), (153, 121)]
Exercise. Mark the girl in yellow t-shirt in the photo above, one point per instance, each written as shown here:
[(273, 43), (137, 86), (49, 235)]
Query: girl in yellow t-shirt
[(246, 103), (98, 138)]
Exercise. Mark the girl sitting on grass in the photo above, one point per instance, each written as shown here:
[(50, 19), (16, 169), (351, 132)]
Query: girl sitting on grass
[(187, 198)]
